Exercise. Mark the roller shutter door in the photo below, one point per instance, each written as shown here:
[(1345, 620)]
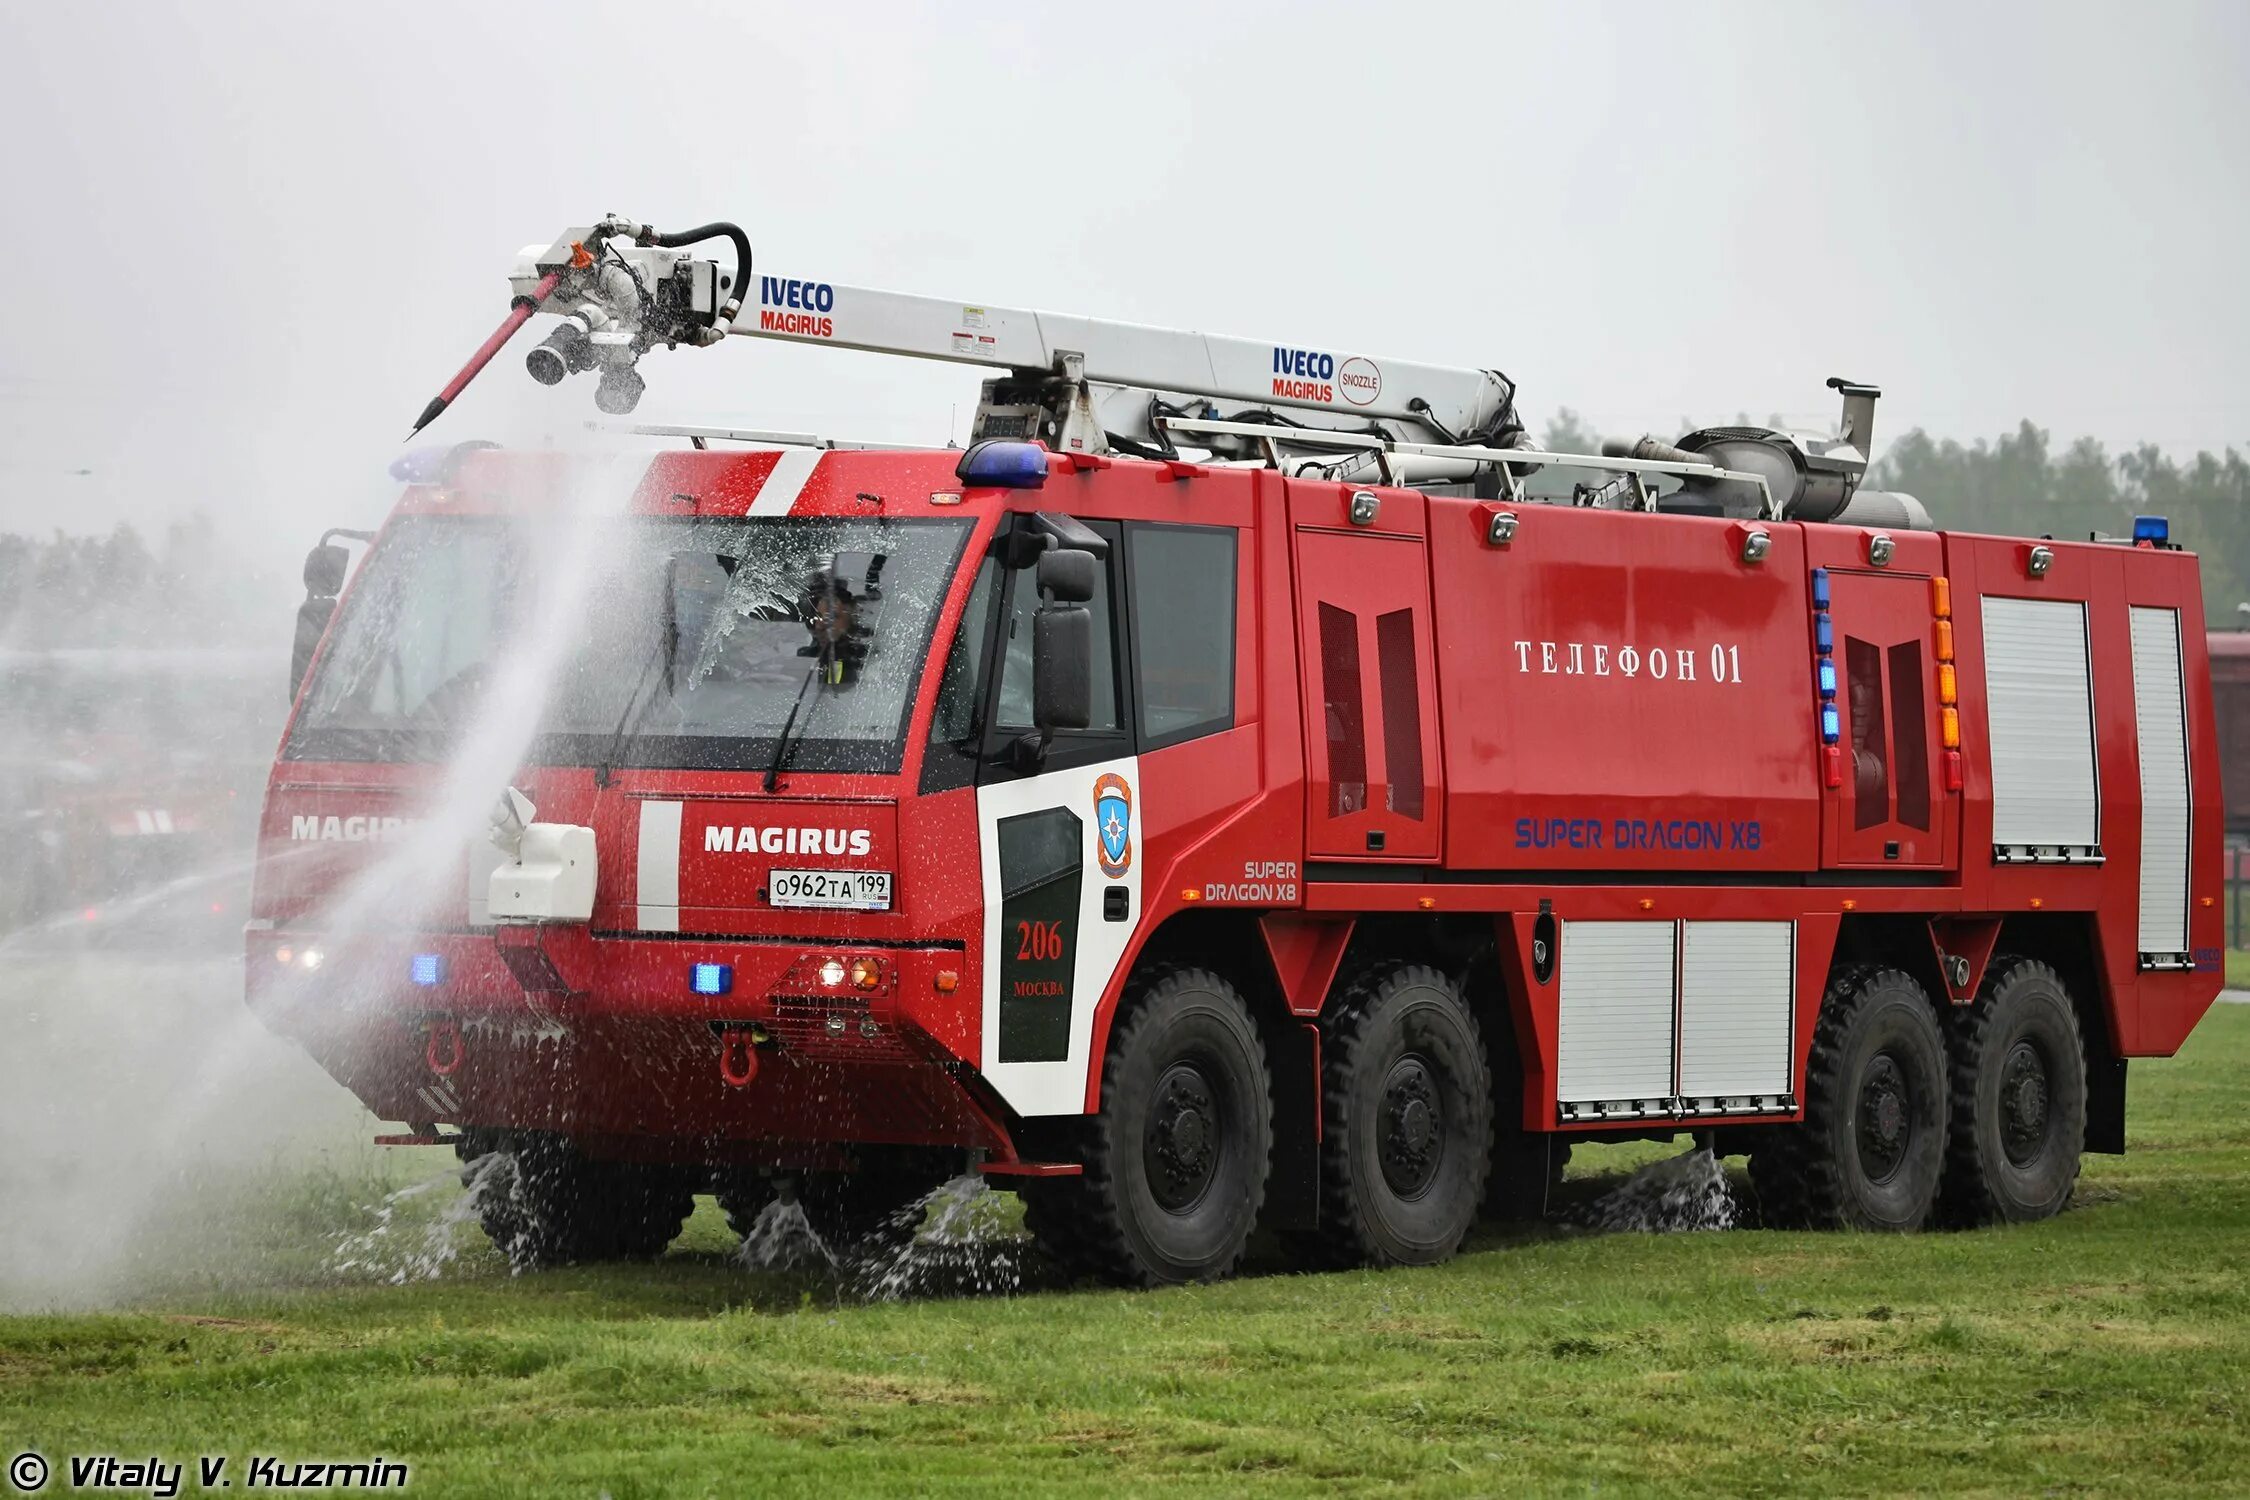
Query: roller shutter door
[(1737, 1010), (2160, 717), (1616, 1040), (2046, 803)]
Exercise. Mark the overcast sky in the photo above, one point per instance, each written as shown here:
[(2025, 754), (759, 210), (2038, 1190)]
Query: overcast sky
[(251, 240)]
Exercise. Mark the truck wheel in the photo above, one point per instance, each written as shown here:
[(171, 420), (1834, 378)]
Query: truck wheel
[(2019, 1098), (1406, 1133), (1176, 1162), (543, 1203), (1872, 1146)]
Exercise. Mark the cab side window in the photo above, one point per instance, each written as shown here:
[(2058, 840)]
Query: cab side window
[(963, 681), (1015, 666), (950, 759), (1183, 629)]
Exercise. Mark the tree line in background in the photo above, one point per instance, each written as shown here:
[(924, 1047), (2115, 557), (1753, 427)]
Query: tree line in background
[(64, 591), (2018, 485)]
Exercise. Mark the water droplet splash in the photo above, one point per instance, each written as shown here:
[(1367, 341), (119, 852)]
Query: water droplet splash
[(1680, 1193), (418, 1231), (782, 1238), (964, 1246)]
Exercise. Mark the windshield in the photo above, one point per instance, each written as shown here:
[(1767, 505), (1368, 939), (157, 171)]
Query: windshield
[(695, 644)]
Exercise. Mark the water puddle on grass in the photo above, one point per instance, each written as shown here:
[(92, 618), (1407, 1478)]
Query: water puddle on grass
[(1680, 1193)]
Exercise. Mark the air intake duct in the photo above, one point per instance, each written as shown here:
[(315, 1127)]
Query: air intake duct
[(1811, 478), (1891, 510)]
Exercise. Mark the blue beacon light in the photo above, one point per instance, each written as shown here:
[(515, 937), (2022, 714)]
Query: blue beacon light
[(1008, 465)]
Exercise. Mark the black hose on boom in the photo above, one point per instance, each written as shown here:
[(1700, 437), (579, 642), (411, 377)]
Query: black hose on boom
[(724, 316)]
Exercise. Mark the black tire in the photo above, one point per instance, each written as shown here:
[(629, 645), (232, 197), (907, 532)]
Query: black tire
[(1871, 1150), (1177, 1160), (1406, 1131), (2019, 1098), (544, 1203)]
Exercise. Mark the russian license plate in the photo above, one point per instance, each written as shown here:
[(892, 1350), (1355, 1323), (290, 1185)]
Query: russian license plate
[(851, 890)]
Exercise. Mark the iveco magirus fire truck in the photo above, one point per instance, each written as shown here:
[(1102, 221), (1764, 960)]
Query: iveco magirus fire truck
[(1249, 784)]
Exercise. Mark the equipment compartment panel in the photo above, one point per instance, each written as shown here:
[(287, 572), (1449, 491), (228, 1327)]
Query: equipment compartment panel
[(1615, 1039), (1622, 692), (2046, 801), (2160, 722), (1737, 1009)]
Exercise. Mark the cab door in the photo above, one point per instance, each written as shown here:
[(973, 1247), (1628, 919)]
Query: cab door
[(1058, 836), (1889, 811), (1370, 695)]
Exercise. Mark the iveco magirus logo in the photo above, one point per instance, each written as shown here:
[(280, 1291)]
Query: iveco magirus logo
[(1113, 821)]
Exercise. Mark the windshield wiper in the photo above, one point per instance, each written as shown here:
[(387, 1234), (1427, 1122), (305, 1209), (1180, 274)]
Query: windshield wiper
[(782, 741)]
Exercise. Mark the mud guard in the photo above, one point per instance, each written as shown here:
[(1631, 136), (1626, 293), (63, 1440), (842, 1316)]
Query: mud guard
[(1964, 947), (1306, 952), (1293, 1191)]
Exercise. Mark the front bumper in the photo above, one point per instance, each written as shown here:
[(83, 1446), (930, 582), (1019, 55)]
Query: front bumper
[(606, 1039)]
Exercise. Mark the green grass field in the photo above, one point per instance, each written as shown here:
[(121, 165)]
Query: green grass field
[(2107, 1351)]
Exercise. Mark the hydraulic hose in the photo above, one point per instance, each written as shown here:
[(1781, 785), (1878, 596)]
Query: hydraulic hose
[(724, 317)]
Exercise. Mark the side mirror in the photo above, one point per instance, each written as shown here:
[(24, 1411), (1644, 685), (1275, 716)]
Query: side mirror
[(1066, 575), (324, 570), (324, 580), (1062, 667)]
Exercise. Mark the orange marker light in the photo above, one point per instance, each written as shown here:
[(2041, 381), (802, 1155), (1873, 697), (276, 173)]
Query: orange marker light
[(1949, 727), (1647, 904), (946, 981), (1945, 640), (1191, 894), (2037, 902), (1941, 598), (1426, 902), (1948, 686), (1849, 904)]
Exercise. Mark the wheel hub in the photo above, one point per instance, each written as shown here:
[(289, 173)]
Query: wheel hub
[(2023, 1104), (1409, 1128), (1886, 1123), (1180, 1148)]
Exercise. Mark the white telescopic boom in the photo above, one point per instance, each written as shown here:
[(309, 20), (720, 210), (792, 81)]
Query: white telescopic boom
[(1353, 387), (1321, 386)]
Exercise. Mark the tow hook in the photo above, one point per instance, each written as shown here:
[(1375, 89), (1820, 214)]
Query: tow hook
[(443, 1049), (738, 1056)]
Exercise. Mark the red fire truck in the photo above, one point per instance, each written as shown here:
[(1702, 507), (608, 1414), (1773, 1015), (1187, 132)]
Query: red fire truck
[(1227, 794)]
